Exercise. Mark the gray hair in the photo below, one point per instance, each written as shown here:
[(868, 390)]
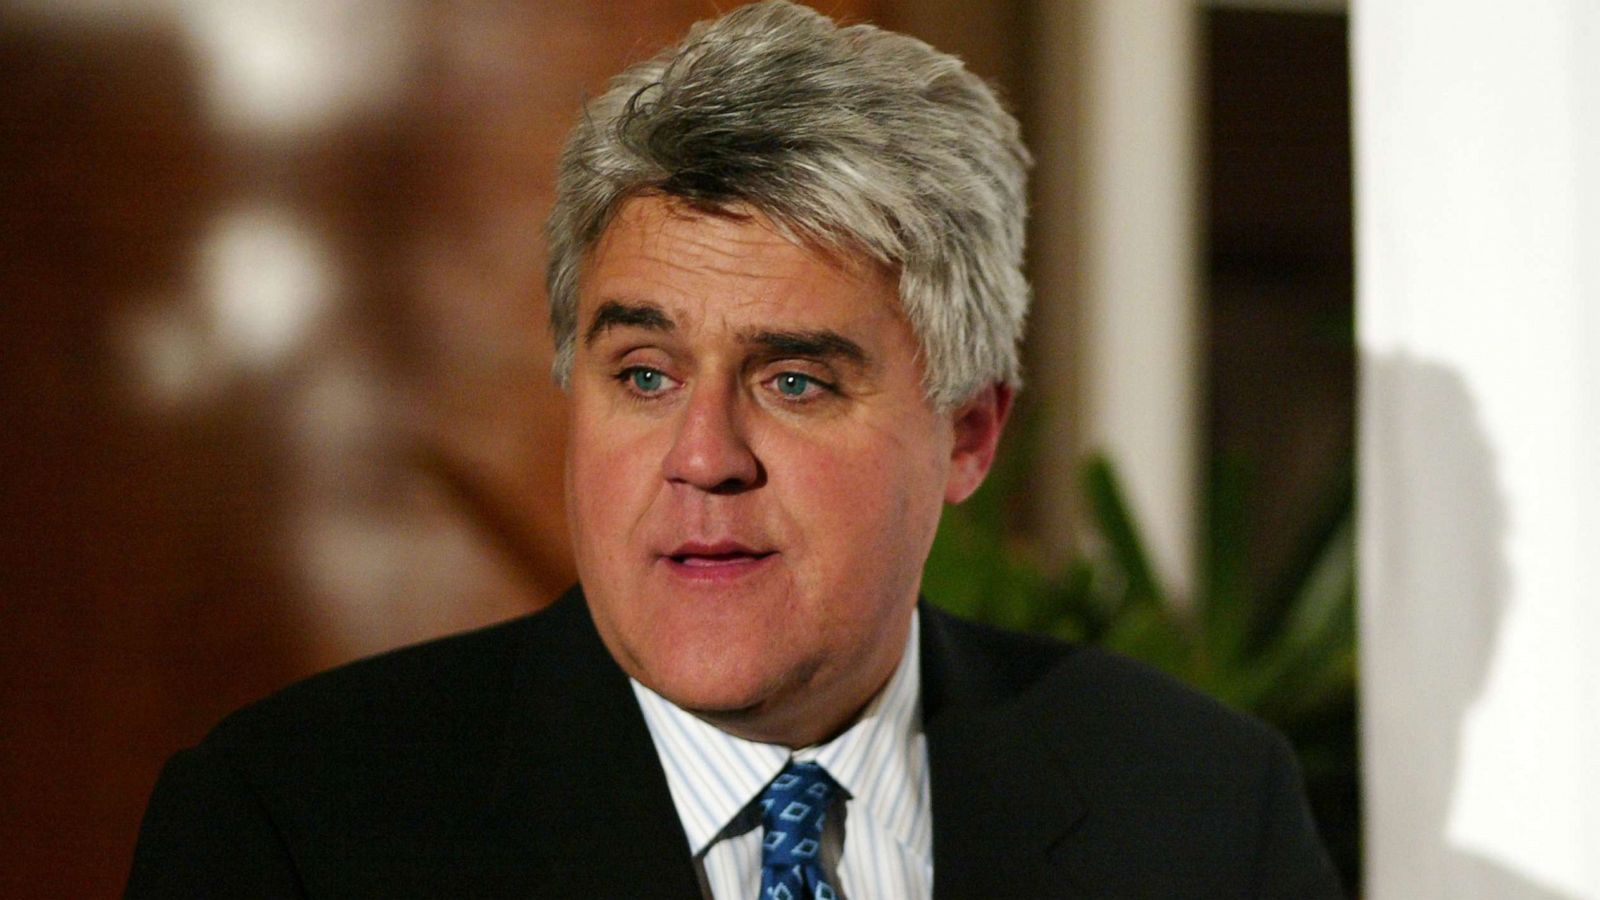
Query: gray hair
[(860, 139)]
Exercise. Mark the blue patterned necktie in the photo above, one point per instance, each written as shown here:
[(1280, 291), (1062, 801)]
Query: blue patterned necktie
[(793, 808)]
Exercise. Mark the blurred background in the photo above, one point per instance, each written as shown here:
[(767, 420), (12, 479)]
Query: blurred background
[(276, 369), (276, 382)]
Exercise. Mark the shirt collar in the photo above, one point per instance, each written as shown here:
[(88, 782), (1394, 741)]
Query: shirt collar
[(880, 761)]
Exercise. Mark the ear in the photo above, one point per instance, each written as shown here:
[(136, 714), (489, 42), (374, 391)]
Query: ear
[(978, 424)]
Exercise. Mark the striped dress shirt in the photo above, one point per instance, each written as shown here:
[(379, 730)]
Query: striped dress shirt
[(881, 846)]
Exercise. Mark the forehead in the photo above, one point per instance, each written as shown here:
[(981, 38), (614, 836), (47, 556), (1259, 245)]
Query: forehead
[(705, 265)]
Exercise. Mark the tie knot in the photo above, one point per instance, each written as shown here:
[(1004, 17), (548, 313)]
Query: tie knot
[(797, 799), (793, 809)]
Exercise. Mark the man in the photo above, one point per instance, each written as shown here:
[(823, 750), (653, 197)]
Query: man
[(786, 298)]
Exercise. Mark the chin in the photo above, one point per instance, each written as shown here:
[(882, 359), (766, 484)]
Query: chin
[(727, 688), (713, 691)]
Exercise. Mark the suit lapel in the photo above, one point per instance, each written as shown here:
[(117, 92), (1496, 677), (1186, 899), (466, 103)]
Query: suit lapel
[(1002, 804), (582, 808), (582, 796)]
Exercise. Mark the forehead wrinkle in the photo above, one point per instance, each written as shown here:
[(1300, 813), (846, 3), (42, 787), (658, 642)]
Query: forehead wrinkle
[(721, 241), (732, 256), (711, 268)]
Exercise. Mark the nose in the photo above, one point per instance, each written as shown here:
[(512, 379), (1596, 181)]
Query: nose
[(710, 450)]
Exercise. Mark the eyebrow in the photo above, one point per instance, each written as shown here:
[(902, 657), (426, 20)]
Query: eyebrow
[(821, 344), (627, 314)]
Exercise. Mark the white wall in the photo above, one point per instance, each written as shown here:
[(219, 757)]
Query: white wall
[(1478, 249)]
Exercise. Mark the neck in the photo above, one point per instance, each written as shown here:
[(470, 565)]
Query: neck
[(804, 717)]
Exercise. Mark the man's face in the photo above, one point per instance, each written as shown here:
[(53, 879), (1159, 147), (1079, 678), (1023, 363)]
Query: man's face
[(754, 475)]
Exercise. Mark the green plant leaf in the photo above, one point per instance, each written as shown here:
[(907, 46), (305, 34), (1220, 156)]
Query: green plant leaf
[(1312, 653), (1116, 528), (1148, 633), (1225, 606)]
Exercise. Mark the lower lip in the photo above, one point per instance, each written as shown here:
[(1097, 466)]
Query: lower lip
[(714, 570)]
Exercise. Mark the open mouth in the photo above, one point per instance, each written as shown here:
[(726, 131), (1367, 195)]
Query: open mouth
[(721, 556), (717, 559)]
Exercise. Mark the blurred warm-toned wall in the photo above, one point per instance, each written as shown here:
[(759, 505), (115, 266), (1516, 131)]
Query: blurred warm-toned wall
[(275, 377)]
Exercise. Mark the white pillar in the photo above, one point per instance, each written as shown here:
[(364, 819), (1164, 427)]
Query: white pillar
[(1134, 228), (1478, 246)]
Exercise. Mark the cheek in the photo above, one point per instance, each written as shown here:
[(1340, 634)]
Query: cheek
[(865, 505), (608, 479)]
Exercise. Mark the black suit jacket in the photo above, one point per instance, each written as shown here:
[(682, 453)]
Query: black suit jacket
[(514, 761)]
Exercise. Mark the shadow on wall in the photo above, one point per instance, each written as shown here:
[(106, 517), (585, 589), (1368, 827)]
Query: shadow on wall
[(1432, 636)]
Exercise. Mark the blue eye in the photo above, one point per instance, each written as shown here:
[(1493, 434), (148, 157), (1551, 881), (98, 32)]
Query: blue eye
[(793, 384), (646, 381)]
